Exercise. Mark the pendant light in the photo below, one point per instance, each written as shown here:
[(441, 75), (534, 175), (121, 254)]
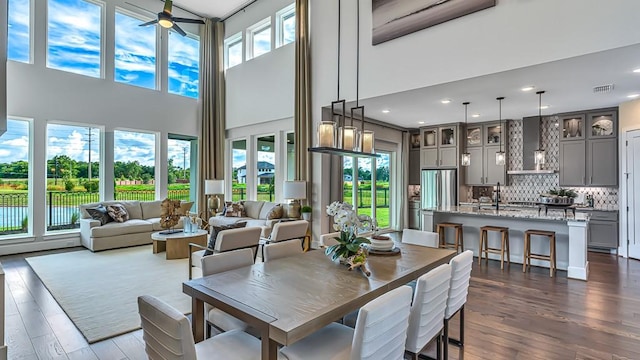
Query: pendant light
[(466, 156), (366, 138), (539, 155), (500, 155)]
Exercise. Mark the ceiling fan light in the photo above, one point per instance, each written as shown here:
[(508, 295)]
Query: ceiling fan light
[(165, 20)]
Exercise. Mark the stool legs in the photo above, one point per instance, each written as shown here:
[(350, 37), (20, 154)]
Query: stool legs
[(552, 252), (526, 252)]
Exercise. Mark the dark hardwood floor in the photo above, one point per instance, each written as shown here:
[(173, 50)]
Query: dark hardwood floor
[(509, 315)]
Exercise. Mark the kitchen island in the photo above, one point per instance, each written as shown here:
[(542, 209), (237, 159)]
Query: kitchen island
[(571, 233)]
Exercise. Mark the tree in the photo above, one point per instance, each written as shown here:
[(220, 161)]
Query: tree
[(382, 173)]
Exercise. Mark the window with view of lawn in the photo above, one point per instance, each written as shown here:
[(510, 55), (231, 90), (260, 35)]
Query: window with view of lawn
[(134, 157), (357, 188), (14, 178)]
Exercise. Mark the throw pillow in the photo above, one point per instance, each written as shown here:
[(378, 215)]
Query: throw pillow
[(234, 210), (214, 234), (100, 213), (118, 212), (276, 212)]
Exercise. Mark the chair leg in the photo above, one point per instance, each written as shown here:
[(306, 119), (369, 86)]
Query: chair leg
[(208, 326), (508, 253), (461, 239), (445, 340), (462, 326), (502, 251), (439, 347), (480, 248)]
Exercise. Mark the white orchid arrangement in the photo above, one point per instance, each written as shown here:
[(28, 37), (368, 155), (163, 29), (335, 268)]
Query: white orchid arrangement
[(348, 223)]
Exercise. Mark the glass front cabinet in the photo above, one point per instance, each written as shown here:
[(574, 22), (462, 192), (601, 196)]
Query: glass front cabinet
[(602, 125), (474, 135), (429, 138), (448, 136), (572, 127)]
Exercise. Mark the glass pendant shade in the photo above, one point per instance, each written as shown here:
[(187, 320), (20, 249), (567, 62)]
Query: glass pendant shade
[(500, 158), (347, 138), (466, 159), (326, 134), (539, 157), (368, 141)]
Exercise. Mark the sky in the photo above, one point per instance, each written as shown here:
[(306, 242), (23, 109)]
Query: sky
[(74, 45)]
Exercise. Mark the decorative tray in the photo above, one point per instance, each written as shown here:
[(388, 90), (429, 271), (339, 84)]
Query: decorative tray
[(394, 251)]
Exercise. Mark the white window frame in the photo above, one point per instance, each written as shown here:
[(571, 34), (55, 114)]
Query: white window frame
[(165, 66), (281, 16), (228, 43), (252, 31)]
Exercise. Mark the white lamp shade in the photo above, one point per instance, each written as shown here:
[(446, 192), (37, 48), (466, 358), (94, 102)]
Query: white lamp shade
[(212, 187), (294, 190)]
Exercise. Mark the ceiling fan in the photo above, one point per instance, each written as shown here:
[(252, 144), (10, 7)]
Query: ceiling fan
[(166, 20)]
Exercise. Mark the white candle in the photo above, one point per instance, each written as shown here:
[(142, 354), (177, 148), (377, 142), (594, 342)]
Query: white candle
[(326, 131), (348, 137), (367, 141)]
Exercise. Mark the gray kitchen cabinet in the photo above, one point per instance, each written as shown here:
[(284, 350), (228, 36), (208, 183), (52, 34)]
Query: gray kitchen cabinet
[(602, 124), (429, 158), (602, 162), (414, 167), (572, 163), (493, 173), (429, 138), (448, 157), (603, 229), (474, 174), (572, 127)]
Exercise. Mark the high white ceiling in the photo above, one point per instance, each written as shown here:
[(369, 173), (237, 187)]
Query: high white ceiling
[(212, 8), (568, 84)]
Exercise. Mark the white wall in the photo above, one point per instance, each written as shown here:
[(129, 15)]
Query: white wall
[(629, 118), (41, 94)]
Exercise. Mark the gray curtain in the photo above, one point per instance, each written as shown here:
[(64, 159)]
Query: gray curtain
[(302, 110), (402, 193), (212, 92)]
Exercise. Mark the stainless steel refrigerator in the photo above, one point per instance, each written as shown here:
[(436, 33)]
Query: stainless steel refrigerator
[(439, 188)]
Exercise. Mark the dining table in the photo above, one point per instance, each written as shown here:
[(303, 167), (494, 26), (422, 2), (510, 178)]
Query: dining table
[(290, 298)]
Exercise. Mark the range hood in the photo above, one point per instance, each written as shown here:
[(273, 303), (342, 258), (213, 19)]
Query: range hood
[(530, 136)]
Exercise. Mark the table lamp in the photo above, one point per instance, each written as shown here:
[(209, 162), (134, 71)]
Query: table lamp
[(294, 191), (213, 187)]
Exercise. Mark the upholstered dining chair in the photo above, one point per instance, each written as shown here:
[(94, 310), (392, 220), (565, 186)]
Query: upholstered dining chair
[(327, 240), (286, 231), (226, 240), (380, 333), (426, 319), (167, 336), (281, 249), (217, 263), (460, 276), (421, 238)]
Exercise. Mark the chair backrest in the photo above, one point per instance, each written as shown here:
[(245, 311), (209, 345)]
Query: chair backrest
[(225, 261), (281, 249), (381, 328), (166, 331), (240, 238), (460, 275), (427, 311), (289, 230), (327, 240), (422, 238)]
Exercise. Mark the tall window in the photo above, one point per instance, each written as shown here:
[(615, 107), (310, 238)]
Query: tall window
[(73, 168), (135, 52), (266, 167), (19, 32), (181, 155), (134, 165), (74, 36), (364, 201), (347, 180), (383, 190), (233, 51), (259, 39), (184, 65), (239, 165), (291, 157), (286, 25), (14, 178)]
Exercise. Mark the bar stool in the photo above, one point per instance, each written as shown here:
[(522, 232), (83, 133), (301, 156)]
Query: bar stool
[(504, 245), (551, 258), (458, 243)]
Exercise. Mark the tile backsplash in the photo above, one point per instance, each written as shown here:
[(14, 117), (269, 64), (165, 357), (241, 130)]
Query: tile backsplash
[(527, 188)]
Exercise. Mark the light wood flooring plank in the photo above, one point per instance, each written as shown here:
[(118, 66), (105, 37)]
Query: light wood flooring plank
[(19, 345), (131, 346), (107, 350), (83, 354), (68, 335), (34, 321), (47, 347)]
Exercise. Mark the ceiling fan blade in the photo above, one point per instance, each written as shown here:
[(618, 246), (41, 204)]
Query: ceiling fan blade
[(179, 30), (185, 20), (149, 22)]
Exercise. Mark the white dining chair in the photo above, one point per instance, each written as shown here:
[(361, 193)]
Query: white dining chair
[(327, 240), (167, 336), (460, 275), (217, 263), (380, 333), (280, 250), (419, 237), (426, 319)]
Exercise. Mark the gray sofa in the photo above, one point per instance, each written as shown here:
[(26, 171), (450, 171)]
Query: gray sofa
[(256, 211), (144, 219)]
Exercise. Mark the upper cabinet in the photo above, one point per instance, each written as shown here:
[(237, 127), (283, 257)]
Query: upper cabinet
[(602, 124), (440, 146), (572, 127), (483, 141), (429, 138), (474, 135), (448, 136), (493, 135)]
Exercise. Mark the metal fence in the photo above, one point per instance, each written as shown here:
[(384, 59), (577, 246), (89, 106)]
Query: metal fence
[(62, 208)]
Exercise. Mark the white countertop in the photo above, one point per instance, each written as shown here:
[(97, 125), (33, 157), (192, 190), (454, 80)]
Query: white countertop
[(520, 213), (608, 208)]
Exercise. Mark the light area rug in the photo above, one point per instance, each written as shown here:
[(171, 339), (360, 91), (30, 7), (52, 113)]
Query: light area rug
[(99, 291)]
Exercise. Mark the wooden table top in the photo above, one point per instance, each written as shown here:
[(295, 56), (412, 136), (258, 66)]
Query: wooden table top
[(298, 295)]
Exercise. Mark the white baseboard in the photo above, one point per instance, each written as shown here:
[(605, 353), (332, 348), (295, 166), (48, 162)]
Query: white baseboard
[(24, 247)]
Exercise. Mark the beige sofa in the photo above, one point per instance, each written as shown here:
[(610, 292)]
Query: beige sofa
[(256, 211), (144, 219)]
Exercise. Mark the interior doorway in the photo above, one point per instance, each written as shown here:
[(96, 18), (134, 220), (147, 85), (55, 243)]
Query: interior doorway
[(633, 192)]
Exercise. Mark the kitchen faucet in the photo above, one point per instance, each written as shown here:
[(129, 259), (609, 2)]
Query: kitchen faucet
[(498, 196)]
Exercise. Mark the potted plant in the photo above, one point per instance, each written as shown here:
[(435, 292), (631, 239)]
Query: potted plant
[(306, 212), (347, 222)]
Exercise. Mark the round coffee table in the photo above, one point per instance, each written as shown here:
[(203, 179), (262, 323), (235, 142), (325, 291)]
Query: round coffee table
[(177, 244)]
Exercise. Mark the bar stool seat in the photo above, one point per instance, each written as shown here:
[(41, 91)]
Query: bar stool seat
[(504, 244), (551, 258), (458, 243)]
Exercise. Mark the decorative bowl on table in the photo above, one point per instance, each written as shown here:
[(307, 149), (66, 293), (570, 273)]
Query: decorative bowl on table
[(381, 243)]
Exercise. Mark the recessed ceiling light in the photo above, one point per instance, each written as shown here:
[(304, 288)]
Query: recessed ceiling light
[(632, 96), (475, 115), (543, 107), (445, 101), (420, 122), (528, 88), (386, 111), (636, 71)]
